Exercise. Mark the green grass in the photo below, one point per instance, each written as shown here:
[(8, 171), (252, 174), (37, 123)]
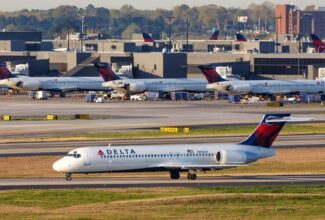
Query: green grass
[(63, 198), (287, 202), (241, 130), (219, 131)]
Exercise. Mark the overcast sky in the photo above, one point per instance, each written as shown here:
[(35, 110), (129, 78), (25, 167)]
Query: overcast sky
[(13, 5)]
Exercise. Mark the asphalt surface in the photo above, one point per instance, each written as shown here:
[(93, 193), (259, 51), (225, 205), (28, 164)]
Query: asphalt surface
[(61, 183), (127, 115), (60, 148)]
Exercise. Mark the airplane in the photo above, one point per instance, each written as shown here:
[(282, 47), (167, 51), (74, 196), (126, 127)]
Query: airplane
[(240, 37), (214, 35), (51, 84), (176, 158), (142, 85), (319, 45), (147, 38), (260, 87)]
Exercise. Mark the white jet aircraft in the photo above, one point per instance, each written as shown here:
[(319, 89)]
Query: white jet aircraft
[(142, 85), (177, 158), (261, 87), (51, 84)]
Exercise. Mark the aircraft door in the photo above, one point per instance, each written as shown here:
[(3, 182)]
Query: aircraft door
[(86, 160)]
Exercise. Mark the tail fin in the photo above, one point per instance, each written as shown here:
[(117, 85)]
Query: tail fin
[(106, 72), (214, 35), (317, 42), (5, 73), (267, 131), (211, 74), (147, 38), (240, 37)]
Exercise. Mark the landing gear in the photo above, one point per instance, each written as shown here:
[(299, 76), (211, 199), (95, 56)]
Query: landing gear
[(174, 175), (68, 176), (191, 175)]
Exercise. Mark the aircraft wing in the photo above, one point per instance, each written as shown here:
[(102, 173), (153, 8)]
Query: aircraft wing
[(66, 88), (197, 166)]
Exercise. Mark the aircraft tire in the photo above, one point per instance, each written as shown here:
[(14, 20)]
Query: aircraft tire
[(68, 177), (191, 176), (174, 175)]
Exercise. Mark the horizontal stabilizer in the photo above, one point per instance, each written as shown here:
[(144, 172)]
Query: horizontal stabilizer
[(288, 119)]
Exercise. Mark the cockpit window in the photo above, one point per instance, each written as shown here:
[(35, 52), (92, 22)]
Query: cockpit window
[(74, 154)]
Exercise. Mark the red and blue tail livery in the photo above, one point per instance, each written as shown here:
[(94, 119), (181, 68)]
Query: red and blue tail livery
[(106, 72), (214, 35), (240, 37), (5, 72), (267, 131), (318, 43), (147, 38), (211, 74)]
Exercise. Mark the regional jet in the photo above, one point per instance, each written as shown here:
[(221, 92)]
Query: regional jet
[(51, 84), (261, 87), (142, 85), (176, 158)]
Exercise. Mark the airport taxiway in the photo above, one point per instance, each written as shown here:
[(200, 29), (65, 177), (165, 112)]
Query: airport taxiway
[(128, 115), (60, 148), (61, 183)]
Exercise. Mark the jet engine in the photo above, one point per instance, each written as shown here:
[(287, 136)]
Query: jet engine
[(239, 89), (230, 88), (235, 157), (28, 85), (137, 87)]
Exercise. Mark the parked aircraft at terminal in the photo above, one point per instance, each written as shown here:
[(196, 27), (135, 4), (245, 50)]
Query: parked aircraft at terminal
[(319, 45), (52, 84), (141, 85), (261, 87), (177, 158), (240, 37)]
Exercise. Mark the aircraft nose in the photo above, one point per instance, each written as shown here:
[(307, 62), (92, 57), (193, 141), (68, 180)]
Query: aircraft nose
[(59, 166)]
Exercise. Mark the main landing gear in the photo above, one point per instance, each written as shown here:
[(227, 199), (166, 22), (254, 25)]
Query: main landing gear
[(191, 175), (68, 176), (174, 174)]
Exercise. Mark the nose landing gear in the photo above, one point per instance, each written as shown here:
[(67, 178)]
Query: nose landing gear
[(68, 176)]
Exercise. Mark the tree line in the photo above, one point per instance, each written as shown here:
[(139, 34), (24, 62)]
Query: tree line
[(121, 23)]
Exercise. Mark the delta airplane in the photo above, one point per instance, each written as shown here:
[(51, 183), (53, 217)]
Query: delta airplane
[(214, 35), (240, 37), (319, 45), (51, 84), (260, 87), (176, 158), (148, 38), (142, 85)]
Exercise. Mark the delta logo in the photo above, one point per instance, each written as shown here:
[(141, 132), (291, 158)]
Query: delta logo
[(100, 153)]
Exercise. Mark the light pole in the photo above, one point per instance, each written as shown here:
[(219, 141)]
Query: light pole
[(170, 18), (277, 32), (68, 34), (187, 32)]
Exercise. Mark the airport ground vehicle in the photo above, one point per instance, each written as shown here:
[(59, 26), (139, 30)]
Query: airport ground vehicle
[(176, 158)]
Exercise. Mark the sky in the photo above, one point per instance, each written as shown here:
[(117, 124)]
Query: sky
[(140, 4)]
